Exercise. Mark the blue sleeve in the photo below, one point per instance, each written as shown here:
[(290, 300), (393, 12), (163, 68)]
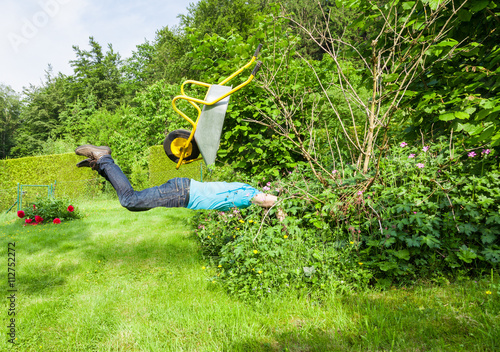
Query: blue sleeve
[(220, 195)]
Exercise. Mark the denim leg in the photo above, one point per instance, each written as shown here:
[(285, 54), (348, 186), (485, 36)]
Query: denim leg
[(174, 193)]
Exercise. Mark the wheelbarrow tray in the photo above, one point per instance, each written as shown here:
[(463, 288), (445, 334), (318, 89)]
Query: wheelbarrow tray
[(209, 129)]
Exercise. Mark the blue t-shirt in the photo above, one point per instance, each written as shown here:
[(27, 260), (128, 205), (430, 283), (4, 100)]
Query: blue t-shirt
[(220, 195)]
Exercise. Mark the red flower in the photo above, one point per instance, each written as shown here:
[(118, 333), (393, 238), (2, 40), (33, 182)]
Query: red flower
[(70, 208), (20, 213), (34, 207), (38, 219), (57, 221), (28, 221)]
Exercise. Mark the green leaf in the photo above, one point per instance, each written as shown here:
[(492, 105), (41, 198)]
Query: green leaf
[(478, 5), (388, 266), (434, 4), (464, 15), (403, 254), (447, 117), (447, 42), (466, 254), (408, 5), (461, 115), (389, 241), (488, 238)]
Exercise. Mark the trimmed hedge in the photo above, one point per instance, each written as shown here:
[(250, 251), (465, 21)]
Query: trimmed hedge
[(162, 169), (44, 170), (79, 182)]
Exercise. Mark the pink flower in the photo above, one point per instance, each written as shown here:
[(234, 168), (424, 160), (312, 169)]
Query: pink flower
[(420, 165), (403, 144), (28, 221), (268, 184), (360, 193), (411, 156), (265, 188), (57, 221), (334, 172), (70, 208), (20, 213), (472, 154), (426, 148), (486, 151), (38, 219)]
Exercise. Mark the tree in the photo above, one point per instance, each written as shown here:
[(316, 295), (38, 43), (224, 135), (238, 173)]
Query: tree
[(40, 117), (392, 57), (222, 17), (10, 106), (98, 74), (138, 70), (461, 94)]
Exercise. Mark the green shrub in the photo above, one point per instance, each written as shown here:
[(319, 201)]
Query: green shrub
[(49, 209), (427, 216), (438, 211)]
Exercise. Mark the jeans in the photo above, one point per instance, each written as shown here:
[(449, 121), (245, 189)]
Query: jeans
[(174, 193)]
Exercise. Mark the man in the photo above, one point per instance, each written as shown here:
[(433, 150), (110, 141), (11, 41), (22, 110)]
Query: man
[(177, 192)]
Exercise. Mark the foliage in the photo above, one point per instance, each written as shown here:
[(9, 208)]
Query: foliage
[(49, 209), (41, 115), (434, 210), (255, 254), (10, 106), (253, 262), (248, 145), (461, 93), (97, 74), (423, 218), (223, 17)]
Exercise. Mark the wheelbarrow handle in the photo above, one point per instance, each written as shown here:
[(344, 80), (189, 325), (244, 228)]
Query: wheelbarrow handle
[(256, 68), (257, 50)]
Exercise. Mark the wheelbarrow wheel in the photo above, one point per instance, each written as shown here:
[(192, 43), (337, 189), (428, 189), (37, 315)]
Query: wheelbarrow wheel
[(175, 141)]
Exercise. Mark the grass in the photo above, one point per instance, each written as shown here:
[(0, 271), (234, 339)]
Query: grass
[(122, 281)]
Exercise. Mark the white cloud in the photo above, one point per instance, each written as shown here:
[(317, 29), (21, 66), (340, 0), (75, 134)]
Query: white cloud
[(36, 33)]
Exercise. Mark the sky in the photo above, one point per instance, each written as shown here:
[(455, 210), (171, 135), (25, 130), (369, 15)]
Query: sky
[(36, 33)]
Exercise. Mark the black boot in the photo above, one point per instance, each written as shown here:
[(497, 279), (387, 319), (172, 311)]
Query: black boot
[(88, 163)]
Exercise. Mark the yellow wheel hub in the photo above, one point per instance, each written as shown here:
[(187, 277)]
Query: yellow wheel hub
[(177, 147)]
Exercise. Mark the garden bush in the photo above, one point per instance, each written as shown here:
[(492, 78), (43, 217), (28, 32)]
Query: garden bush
[(46, 209), (432, 212)]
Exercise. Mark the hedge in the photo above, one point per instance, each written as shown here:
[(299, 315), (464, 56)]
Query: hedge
[(44, 170), (162, 169)]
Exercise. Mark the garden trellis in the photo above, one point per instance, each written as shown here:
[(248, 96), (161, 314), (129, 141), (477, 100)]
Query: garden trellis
[(22, 190)]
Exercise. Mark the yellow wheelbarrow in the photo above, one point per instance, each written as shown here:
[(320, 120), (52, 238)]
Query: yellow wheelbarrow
[(183, 146)]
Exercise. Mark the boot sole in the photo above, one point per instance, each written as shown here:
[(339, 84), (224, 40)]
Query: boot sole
[(79, 150)]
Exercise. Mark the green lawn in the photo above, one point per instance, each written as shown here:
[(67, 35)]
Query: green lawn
[(122, 281)]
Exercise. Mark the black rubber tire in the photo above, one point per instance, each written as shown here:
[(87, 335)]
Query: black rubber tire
[(183, 134)]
